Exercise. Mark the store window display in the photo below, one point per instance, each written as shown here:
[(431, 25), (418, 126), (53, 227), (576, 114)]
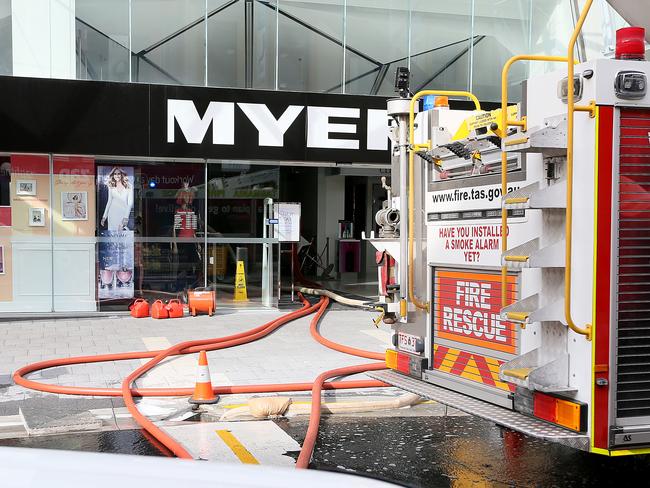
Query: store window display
[(120, 200), (187, 254), (150, 216), (116, 235)]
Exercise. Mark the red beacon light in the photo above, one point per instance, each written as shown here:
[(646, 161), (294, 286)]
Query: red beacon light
[(630, 43)]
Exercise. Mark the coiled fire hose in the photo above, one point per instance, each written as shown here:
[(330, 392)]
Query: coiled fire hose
[(188, 347)]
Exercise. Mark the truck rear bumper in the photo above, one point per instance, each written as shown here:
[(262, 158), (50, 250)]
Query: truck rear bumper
[(499, 415)]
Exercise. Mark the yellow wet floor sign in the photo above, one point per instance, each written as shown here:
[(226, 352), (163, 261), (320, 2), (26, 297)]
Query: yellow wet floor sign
[(240, 283)]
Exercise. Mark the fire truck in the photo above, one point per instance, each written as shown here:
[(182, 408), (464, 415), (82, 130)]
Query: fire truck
[(516, 273)]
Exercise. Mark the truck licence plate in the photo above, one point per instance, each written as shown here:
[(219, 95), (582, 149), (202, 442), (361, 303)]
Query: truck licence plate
[(406, 342)]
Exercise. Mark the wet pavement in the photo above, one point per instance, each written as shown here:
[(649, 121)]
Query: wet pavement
[(115, 441), (413, 450), (458, 451)]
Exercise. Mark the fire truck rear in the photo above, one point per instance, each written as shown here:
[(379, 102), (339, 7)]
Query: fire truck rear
[(516, 273)]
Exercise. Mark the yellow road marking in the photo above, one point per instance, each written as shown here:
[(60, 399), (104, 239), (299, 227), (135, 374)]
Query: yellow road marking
[(237, 447)]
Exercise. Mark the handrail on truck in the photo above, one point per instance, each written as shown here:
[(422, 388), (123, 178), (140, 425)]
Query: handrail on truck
[(411, 201), (505, 123), (571, 108)]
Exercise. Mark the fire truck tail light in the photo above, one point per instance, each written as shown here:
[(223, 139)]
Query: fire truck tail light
[(410, 364), (569, 414), (544, 407), (403, 363), (391, 359)]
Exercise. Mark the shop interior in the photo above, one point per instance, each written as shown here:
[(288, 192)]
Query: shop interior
[(82, 234)]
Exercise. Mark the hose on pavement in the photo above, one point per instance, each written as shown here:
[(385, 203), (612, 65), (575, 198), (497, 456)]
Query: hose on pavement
[(352, 302), (188, 347), (314, 418)]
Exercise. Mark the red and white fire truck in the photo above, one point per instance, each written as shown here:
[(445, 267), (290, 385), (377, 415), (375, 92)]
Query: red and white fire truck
[(523, 296)]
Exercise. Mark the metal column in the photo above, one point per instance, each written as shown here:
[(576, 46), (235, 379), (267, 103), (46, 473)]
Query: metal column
[(248, 42), (267, 254)]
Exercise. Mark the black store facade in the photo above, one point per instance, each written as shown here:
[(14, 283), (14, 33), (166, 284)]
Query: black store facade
[(111, 191)]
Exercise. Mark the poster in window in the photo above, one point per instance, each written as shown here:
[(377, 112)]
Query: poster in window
[(115, 230), (26, 187), (37, 217), (288, 226), (74, 205), (2, 260)]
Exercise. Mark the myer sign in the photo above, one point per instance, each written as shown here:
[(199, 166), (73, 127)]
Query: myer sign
[(219, 118), (140, 120), (250, 124)]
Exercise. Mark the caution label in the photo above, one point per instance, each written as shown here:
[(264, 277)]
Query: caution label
[(467, 309), (241, 294), (484, 119)]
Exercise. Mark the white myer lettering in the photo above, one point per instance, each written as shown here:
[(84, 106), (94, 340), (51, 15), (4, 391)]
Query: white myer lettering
[(319, 127), (271, 131), (220, 115), (377, 136)]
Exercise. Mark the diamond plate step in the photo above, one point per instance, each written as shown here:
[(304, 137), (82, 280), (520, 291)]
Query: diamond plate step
[(532, 196), (530, 255), (500, 416)]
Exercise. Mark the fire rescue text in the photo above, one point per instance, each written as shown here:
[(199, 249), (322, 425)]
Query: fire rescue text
[(472, 315)]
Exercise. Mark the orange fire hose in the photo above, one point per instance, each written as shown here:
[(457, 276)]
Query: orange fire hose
[(195, 346), (147, 424), (314, 416), (313, 329)]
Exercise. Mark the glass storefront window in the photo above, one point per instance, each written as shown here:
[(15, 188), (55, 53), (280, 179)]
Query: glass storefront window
[(25, 233), (226, 44), (371, 60), (263, 63), (73, 233), (551, 24), (236, 195), (310, 45), (6, 67), (168, 41), (85, 234), (102, 40), (504, 32), (332, 46), (440, 45), (599, 30), (150, 230)]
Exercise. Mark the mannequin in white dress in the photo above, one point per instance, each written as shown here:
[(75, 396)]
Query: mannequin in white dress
[(120, 201)]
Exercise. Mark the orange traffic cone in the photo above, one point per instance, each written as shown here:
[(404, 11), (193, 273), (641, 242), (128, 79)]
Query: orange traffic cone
[(203, 389)]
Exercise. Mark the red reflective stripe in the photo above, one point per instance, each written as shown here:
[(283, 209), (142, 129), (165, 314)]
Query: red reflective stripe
[(439, 356), (484, 369), (461, 362), (603, 278)]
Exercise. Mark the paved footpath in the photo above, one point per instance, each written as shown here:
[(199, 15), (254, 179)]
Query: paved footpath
[(289, 354)]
